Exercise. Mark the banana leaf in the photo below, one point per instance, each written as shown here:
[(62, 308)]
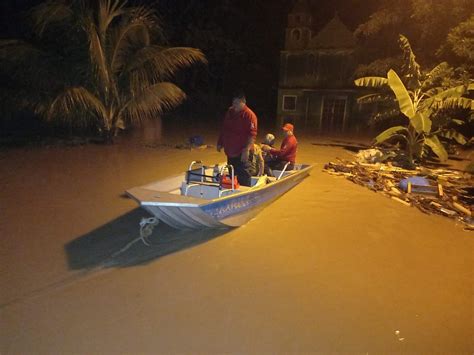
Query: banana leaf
[(456, 91), (371, 98), (421, 123), (455, 102), (386, 114), (371, 81), (453, 134), (438, 70), (400, 91), (389, 133), (438, 99), (411, 67), (437, 147)]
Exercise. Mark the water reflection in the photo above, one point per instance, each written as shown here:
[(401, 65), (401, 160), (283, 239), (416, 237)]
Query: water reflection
[(150, 131)]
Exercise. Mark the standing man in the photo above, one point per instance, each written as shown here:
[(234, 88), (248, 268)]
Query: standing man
[(237, 137), (287, 151)]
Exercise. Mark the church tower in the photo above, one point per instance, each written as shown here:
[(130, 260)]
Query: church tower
[(298, 31)]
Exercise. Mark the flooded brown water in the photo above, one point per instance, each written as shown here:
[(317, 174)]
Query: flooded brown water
[(330, 267)]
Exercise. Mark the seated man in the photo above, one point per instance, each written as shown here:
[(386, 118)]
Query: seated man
[(270, 141), (255, 162), (286, 153)]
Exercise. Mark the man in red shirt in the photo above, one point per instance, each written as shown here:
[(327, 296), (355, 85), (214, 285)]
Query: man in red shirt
[(237, 137), (287, 151)]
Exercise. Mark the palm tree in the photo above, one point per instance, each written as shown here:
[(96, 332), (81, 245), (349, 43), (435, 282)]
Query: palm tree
[(94, 62)]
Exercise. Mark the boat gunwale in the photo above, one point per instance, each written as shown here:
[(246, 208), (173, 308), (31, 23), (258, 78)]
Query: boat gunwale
[(219, 199), (258, 188)]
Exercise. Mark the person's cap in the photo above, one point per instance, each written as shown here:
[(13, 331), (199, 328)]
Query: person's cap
[(288, 127)]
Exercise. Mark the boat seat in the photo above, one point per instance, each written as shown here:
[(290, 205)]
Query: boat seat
[(208, 191)]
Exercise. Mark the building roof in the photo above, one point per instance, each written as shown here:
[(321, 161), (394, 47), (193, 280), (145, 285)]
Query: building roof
[(334, 35), (301, 6)]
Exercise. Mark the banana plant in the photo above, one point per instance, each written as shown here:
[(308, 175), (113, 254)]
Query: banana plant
[(420, 104)]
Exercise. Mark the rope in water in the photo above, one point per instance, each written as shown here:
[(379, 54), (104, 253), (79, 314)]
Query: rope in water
[(146, 229)]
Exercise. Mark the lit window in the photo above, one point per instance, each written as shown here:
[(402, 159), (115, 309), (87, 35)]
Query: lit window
[(289, 103)]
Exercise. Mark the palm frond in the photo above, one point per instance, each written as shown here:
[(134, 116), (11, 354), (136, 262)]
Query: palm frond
[(152, 102), (30, 66), (17, 52), (108, 11), (153, 64), (28, 57), (145, 15), (173, 58), (76, 100), (124, 40), (117, 75), (50, 12), (97, 54)]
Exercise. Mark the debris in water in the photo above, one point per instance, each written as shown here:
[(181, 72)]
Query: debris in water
[(433, 191)]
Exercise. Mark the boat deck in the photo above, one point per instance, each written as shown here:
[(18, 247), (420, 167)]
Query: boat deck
[(153, 197)]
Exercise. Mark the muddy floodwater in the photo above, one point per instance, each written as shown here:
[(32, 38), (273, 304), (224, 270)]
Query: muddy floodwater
[(330, 267)]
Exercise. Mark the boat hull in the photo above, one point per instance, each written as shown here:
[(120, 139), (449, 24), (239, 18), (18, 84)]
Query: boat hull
[(231, 211), (239, 209)]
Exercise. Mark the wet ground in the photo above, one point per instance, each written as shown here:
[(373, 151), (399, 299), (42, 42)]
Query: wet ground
[(330, 267)]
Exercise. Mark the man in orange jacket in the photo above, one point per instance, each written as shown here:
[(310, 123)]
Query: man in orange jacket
[(287, 151)]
